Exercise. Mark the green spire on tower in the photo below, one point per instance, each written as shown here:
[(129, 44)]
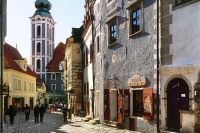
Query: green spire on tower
[(43, 7)]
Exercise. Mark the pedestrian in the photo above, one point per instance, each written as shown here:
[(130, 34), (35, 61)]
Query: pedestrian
[(42, 111), (36, 113), (12, 113), (27, 112), (64, 111)]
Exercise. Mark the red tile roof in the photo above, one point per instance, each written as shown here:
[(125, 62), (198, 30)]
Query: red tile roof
[(58, 56), (10, 55)]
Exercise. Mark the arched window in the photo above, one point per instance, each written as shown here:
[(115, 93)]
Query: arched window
[(19, 84), (25, 89), (38, 64), (38, 47), (38, 30)]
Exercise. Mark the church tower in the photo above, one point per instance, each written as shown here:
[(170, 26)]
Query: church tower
[(42, 37)]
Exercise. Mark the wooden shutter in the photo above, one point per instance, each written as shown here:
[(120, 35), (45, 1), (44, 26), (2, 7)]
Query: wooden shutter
[(91, 53), (148, 103), (126, 101)]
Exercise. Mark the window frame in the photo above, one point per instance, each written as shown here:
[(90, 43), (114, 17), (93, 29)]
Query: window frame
[(110, 23), (132, 113), (138, 5), (52, 76), (53, 87), (177, 3)]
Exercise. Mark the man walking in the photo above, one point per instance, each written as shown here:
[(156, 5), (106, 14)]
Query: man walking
[(64, 111), (12, 113), (36, 113), (42, 111), (27, 112)]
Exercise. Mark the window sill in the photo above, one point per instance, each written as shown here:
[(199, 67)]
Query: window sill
[(136, 33), (112, 44), (184, 4)]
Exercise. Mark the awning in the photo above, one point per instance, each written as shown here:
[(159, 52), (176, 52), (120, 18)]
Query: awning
[(56, 95)]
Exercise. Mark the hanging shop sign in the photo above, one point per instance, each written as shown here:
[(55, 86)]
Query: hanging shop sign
[(136, 80)]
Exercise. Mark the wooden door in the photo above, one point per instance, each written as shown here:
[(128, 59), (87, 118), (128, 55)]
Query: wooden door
[(177, 99), (120, 106), (106, 104)]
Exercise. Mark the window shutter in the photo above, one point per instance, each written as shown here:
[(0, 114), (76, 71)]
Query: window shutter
[(126, 102), (91, 53), (148, 103)]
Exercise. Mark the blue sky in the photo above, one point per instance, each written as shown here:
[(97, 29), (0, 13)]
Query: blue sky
[(66, 13)]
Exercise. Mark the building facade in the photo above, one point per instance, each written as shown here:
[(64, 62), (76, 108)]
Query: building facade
[(179, 65), (88, 59), (73, 61), (54, 80), (20, 79), (42, 38), (125, 63)]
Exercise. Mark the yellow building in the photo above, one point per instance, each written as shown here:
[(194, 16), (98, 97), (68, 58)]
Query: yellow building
[(20, 79), (73, 70)]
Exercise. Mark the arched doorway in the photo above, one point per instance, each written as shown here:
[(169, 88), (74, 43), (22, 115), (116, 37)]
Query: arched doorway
[(177, 99)]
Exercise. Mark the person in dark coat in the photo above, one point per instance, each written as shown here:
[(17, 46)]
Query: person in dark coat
[(36, 113), (27, 111), (42, 111), (64, 111), (12, 113)]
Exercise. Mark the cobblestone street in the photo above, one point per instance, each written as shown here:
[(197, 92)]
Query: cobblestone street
[(53, 123)]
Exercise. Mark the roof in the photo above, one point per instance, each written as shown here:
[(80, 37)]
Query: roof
[(10, 55), (43, 7), (58, 56)]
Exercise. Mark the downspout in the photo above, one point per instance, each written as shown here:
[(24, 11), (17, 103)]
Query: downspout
[(158, 63), (93, 76)]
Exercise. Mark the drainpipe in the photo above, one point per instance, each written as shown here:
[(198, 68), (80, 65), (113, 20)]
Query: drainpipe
[(93, 76), (158, 63)]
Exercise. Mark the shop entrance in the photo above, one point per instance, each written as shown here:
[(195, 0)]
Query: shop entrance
[(177, 99)]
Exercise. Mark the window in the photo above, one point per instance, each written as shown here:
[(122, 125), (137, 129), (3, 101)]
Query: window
[(112, 30), (113, 33), (53, 87), (179, 2), (86, 57), (135, 21), (91, 53), (32, 87), (19, 84), (77, 50), (38, 64), (53, 76), (38, 48), (98, 44), (138, 103), (38, 31), (135, 14), (15, 83), (62, 86)]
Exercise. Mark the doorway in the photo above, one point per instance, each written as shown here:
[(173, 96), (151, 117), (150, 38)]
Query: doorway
[(177, 99)]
